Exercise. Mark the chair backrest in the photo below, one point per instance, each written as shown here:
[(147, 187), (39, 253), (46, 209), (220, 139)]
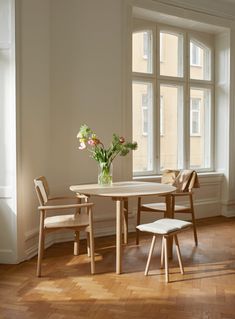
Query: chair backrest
[(169, 176), (184, 180), (42, 189)]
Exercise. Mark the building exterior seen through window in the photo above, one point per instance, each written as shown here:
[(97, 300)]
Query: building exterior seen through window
[(172, 105), (195, 55), (195, 110)]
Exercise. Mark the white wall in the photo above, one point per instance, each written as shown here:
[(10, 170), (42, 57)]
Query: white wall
[(33, 109), (71, 68), (86, 77), (70, 74)]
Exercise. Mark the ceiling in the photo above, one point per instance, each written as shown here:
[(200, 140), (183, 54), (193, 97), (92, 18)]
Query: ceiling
[(176, 21)]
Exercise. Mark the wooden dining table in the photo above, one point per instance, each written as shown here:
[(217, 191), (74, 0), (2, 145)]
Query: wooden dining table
[(120, 192)]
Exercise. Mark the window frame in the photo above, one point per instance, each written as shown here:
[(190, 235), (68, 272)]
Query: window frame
[(185, 81)]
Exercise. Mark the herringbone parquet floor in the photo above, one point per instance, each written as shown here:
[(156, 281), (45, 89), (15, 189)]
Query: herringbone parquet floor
[(67, 290)]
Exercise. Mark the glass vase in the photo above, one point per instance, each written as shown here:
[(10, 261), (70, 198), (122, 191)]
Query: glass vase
[(105, 174)]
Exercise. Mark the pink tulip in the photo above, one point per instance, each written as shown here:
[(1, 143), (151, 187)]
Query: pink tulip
[(93, 141)]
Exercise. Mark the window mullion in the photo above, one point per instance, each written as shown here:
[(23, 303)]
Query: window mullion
[(146, 76), (201, 83), (157, 102), (186, 140)]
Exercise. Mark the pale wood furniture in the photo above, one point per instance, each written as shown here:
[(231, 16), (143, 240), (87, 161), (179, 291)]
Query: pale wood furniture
[(167, 228), (184, 181), (120, 192), (80, 220)]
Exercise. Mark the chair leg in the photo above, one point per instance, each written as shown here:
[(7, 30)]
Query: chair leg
[(138, 222), (150, 255), (162, 254), (125, 228), (40, 244), (76, 243), (194, 228), (193, 219), (179, 254), (92, 253), (166, 258)]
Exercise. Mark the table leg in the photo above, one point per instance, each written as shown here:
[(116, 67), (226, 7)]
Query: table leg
[(169, 214), (119, 210), (125, 218)]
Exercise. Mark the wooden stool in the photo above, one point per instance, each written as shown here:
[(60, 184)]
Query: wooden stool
[(166, 228)]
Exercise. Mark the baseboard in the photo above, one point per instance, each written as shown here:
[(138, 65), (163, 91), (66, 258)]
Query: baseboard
[(7, 256), (228, 209)]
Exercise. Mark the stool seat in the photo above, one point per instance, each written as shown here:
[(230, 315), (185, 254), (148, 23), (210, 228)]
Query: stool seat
[(164, 226)]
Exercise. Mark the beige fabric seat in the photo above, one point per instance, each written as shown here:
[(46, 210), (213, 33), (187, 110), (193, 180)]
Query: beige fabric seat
[(166, 228), (80, 220), (66, 221), (184, 181)]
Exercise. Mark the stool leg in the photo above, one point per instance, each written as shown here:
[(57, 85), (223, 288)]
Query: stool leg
[(76, 243), (166, 259), (150, 255), (88, 244), (179, 254), (162, 253), (138, 221)]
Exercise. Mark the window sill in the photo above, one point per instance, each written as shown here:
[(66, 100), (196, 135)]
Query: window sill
[(203, 177)]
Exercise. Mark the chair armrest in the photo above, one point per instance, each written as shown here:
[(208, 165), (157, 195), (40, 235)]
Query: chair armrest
[(61, 198), (78, 195), (65, 206)]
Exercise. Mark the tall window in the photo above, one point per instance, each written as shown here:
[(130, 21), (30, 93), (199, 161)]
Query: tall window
[(176, 134), (7, 93)]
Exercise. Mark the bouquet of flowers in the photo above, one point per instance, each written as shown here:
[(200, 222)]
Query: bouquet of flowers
[(104, 156)]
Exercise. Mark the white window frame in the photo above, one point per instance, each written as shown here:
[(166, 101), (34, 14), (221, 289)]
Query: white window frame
[(185, 82), (161, 49)]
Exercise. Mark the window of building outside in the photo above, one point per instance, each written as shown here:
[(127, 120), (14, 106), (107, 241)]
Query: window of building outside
[(194, 54), (195, 116), (172, 100), (145, 114)]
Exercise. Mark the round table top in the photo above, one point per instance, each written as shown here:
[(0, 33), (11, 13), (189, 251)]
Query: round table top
[(124, 189)]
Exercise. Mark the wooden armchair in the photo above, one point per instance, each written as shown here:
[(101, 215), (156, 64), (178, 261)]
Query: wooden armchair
[(184, 181), (80, 220)]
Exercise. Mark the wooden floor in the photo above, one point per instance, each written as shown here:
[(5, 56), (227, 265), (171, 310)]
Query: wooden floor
[(67, 290)]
